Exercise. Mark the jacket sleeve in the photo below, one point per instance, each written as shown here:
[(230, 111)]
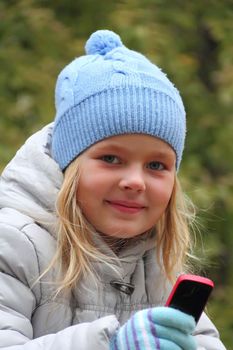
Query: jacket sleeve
[(85, 336), (18, 300), (207, 336), (16, 332)]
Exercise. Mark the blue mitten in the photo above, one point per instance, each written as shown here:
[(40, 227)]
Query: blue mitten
[(159, 328)]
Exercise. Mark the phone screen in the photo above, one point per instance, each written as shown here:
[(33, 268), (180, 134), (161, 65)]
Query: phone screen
[(191, 297)]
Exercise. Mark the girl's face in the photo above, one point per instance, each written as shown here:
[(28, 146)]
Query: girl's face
[(125, 184)]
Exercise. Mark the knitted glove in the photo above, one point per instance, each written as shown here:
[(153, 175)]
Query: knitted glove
[(160, 328)]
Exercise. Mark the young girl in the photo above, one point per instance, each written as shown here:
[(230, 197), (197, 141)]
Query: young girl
[(94, 227)]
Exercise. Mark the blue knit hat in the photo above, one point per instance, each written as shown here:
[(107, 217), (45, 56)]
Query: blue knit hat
[(113, 91)]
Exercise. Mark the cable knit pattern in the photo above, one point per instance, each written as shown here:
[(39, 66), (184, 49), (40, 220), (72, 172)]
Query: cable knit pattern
[(113, 91)]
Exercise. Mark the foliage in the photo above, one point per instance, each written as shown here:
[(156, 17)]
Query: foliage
[(191, 41)]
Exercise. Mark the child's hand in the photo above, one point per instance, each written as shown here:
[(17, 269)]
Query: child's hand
[(161, 328)]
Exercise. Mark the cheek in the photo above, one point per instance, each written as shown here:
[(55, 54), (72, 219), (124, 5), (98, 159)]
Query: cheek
[(90, 187), (168, 192), (160, 192)]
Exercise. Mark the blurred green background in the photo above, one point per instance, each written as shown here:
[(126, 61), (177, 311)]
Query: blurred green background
[(190, 40)]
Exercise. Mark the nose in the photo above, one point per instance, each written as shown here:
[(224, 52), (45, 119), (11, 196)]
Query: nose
[(133, 180)]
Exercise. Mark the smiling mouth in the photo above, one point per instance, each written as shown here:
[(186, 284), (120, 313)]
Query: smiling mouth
[(124, 207)]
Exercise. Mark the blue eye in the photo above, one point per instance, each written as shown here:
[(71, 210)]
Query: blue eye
[(109, 158), (155, 166)]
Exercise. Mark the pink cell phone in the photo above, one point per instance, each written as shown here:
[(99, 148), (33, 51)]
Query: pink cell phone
[(190, 294)]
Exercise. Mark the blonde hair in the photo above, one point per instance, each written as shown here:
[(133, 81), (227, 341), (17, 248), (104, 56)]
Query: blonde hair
[(175, 234), (75, 247)]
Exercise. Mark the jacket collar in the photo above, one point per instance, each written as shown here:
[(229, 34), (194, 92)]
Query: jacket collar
[(31, 181)]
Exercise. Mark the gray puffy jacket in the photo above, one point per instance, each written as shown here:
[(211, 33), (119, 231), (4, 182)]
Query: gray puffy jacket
[(86, 318)]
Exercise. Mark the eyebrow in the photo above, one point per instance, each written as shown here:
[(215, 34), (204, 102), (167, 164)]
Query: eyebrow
[(158, 153)]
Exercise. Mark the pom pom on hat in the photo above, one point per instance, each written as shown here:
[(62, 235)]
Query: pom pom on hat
[(114, 91), (102, 42)]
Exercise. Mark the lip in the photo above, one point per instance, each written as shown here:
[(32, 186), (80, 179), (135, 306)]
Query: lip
[(126, 206)]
